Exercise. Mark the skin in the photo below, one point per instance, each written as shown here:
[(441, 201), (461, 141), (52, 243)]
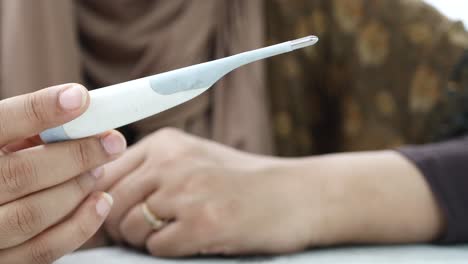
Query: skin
[(222, 201), (47, 204)]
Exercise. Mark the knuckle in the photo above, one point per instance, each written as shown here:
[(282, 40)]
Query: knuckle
[(168, 132), (41, 253), (80, 151), (35, 109), (23, 219), (17, 174), (180, 145), (172, 159), (170, 135)]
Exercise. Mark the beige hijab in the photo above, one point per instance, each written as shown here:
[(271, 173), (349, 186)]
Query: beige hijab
[(103, 42)]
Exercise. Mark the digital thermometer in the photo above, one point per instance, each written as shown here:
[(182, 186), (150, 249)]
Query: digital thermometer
[(124, 103)]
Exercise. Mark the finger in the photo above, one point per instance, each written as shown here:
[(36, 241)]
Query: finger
[(23, 144), (116, 170), (29, 216), (64, 237), (134, 189), (174, 241), (163, 206), (34, 169), (130, 191), (134, 228), (27, 115)]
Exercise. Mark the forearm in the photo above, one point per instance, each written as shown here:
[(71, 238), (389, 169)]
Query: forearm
[(372, 197)]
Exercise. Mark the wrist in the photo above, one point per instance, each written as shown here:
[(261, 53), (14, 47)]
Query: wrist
[(320, 197), (340, 218), (376, 197)]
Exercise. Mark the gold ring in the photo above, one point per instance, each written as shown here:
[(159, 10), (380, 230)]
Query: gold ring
[(151, 218)]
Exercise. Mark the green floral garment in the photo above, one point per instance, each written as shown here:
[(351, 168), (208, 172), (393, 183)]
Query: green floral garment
[(385, 73)]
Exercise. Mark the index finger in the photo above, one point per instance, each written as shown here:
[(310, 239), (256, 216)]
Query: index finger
[(26, 115)]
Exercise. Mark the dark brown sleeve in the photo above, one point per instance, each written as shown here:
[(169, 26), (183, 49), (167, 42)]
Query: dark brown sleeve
[(445, 167)]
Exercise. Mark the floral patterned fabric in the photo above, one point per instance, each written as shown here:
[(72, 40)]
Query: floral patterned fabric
[(385, 73)]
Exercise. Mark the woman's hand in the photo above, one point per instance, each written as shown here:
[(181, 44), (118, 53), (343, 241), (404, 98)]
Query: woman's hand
[(45, 207), (219, 200)]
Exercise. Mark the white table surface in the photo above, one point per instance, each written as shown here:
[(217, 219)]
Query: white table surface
[(417, 254)]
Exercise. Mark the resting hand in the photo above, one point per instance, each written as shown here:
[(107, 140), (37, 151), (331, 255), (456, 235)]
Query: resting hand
[(222, 201), (219, 200)]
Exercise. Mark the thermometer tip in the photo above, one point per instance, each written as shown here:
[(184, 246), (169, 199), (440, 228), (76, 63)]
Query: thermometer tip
[(304, 42)]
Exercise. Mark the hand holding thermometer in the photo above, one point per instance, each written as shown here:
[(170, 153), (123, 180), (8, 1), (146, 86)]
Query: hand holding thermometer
[(124, 103)]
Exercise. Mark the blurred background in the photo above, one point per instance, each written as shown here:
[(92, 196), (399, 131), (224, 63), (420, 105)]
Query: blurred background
[(385, 73)]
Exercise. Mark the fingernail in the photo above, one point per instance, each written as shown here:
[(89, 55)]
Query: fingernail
[(72, 98), (97, 172), (113, 143), (104, 205)]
